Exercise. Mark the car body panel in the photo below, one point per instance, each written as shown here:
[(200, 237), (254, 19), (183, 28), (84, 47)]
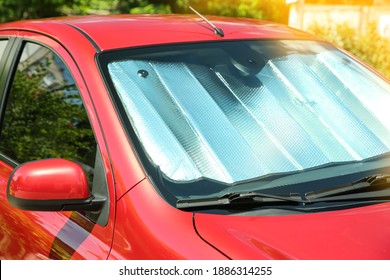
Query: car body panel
[(108, 31), (135, 232), (358, 233), (34, 242)]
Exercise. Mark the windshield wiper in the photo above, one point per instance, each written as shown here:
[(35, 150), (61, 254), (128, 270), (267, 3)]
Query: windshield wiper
[(355, 190), (371, 187), (239, 199)]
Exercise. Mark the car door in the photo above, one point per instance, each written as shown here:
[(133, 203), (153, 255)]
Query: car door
[(46, 112)]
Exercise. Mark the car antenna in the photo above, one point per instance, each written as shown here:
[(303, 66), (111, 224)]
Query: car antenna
[(217, 31)]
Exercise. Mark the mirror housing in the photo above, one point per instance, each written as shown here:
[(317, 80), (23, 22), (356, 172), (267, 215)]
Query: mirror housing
[(51, 185)]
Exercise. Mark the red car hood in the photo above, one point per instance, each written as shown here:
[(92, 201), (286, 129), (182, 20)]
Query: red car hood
[(359, 233)]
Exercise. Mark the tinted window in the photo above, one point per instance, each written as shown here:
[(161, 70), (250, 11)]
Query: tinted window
[(44, 115)]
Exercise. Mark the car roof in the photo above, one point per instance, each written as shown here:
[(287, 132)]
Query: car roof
[(121, 31)]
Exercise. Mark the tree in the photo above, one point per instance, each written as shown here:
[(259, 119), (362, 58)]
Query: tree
[(28, 9), (276, 10)]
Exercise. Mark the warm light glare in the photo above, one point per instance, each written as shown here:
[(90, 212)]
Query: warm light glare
[(362, 27)]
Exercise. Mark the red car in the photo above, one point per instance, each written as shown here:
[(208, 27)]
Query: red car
[(177, 137)]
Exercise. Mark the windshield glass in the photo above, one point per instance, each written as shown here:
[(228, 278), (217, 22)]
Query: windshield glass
[(236, 111)]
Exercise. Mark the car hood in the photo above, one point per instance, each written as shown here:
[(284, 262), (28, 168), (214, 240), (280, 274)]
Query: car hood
[(359, 233)]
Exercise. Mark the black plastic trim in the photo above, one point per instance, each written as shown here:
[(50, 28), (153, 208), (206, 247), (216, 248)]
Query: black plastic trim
[(89, 204)]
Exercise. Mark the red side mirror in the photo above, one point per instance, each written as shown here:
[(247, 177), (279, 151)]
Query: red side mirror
[(50, 185)]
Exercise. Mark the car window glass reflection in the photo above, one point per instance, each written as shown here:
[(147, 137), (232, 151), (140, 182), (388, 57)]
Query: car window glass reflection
[(44, 115), (3, 44)]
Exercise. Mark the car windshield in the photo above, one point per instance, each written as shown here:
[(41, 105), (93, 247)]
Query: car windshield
[(236, 111)]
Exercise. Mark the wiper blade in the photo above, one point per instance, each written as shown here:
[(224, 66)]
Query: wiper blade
[(374, 184), (239, 199), (364, 183)]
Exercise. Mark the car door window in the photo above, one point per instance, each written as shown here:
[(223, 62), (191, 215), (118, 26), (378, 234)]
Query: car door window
[(44, 115), (3, 44)]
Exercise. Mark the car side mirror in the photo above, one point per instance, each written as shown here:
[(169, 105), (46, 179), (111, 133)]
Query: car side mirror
[(51, 185)]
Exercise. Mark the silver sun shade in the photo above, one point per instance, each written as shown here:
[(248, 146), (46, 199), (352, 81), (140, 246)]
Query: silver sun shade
[(300, 111)]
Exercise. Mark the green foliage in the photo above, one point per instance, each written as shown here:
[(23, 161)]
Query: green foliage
[(85, 7), (276, 10), (236, 8), (371, 47), (145, 7), (10, 10), (25, 9)]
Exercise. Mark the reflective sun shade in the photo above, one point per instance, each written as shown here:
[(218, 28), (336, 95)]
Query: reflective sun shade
[(279, 106)]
